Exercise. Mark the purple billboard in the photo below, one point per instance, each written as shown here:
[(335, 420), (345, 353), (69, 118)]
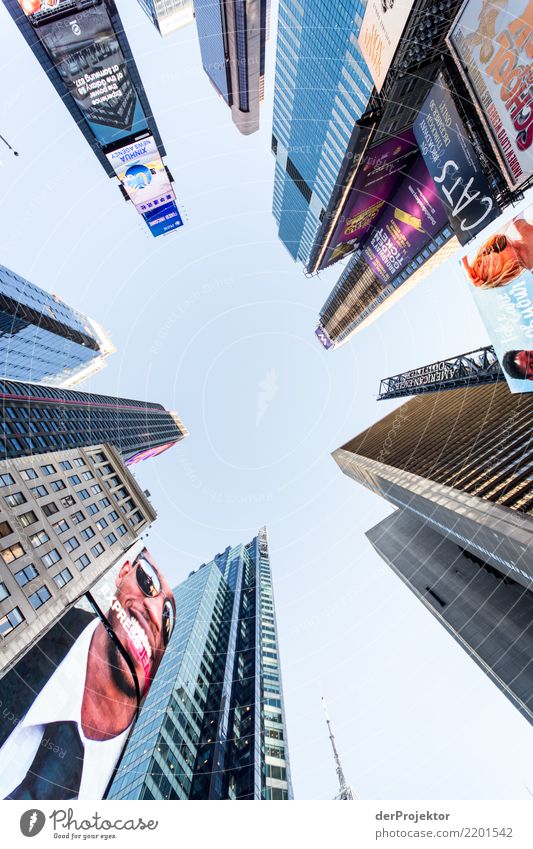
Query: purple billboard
[(407, 225), (380, 174)]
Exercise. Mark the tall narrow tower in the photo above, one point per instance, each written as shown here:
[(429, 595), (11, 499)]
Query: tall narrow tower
[(346, 793)]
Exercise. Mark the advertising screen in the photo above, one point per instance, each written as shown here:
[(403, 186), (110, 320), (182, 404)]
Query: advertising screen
[(452, 162), (149, 452), (85, 50), (163, 219), (382, 170), (380, 34), (500, 277), (69, 704), (323, 337), (414, 215), (141, 171), (30, 7), (492, 44)]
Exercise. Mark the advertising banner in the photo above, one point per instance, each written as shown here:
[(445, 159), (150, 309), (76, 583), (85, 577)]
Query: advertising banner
[(163, 219), (85, 50), (492, 44), (380, 34), (30, 7), (323, 337), (70, 702), (146, 453), (500, 278), (452, 162), (141, 171), (414, 216), (382, 170)]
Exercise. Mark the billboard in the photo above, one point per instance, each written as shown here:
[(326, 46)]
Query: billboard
[(381, 30), (492, 43), (414, 216), (142, 172), (30, 7), (70, 703), (380, 173), (148, 452), (85, 51), (452, 162), (500, 277), (324, 339), (163, 219)]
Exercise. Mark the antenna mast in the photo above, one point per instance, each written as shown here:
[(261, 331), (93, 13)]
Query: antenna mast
[(345, 791)]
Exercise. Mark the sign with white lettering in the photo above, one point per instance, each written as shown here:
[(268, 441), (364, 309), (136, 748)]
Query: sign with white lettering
[(142, 172), (452, 162)]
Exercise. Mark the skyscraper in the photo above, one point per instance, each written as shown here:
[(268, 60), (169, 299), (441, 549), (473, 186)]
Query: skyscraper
[(169, 15), (43, 339), (232, 43), (65, 518), (213, 724), (461, 461), (322, 88), (485, 610), (37, 418)]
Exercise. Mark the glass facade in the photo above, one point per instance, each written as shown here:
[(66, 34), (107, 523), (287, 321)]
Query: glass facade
[(169, 15), (213, 724), (322, 89), (37, 419), (41, 338)]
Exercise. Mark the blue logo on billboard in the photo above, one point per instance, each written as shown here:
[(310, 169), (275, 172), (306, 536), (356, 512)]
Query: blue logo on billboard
[(138, 177)]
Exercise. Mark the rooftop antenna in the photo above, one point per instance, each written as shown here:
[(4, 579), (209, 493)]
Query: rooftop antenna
[(346, 792), (12, 149)]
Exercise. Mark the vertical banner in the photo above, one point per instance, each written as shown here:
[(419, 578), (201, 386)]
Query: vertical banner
[(500, 278), (380, 34), (452, 162)]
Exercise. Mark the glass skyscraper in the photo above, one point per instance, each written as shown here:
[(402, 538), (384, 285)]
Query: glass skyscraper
[(213, 724), (169, 15), (322, 89), (43, 339), (37, 419), (232, 43)]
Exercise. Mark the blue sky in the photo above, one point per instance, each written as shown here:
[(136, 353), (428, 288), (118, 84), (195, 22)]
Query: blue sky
[(216, 321)]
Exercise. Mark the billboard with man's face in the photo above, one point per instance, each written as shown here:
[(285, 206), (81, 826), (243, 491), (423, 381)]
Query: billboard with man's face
[(142, 172), (85, 51), (499, 271), (69, 704)]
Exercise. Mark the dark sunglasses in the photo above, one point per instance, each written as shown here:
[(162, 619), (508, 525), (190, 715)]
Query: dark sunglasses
[(150, 584)]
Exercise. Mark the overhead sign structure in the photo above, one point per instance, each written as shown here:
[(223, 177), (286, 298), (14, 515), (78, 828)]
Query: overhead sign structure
[(55, 740), (492, 44), (500, 278), (85, 50), (142, 172), (414, 216), (381, 30), (382, 170), (163, 219), (452, 162)]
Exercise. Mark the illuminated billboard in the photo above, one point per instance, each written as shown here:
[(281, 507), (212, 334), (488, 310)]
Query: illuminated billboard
[(69, 704), (142, 172), (453, 163), (381, 30), (149, 452), (499, 271), (380, 173), (30, 7), (410, 221), (492, 43), (323, 337), (85, 51), (163, 219)]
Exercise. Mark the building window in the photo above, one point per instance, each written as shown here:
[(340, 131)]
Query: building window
[(77, 517), (104, 502), (68, 501), (39, 491), (15, 499), (10, 621), (24, 576), (113, 516), (98, 549), (57, 485), (87, 476), (110, 539), (83, 494), (6, 480), (74, 480), (87, 533), (122, 529), (39, 597), (71, 544), (63, 578), (51, 558), (79, 461), (92, 509), (13, 552), (83, 562), (39, 538), (5, 529), (4, 592), (101, 524), (51, 508), (96, 489), (26, 475), (65, 465), (49, 469), (61, 526), (26, 519)]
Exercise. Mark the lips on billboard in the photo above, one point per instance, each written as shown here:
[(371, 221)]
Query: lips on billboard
[(142, 172), (71, 701)]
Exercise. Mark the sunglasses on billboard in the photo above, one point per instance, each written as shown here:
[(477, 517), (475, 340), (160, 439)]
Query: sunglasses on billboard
[(149, 583)]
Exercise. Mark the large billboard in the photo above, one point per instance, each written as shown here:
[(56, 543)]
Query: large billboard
[(142, 172), (70, 703), (323, 337), (500, 278), (85, 50), (492, 44), (163, 219), (382, 170), (414, 216), (380, 34), (146, 453), (453, 163)]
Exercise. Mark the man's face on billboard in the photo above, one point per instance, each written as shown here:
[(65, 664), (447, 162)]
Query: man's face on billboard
[(142, 614)]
